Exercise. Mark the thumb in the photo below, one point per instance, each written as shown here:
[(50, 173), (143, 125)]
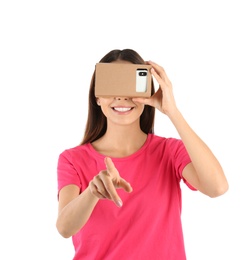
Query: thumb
[(125, 185)]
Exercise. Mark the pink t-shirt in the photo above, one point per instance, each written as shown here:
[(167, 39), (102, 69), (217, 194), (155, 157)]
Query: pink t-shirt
[(148, 225)]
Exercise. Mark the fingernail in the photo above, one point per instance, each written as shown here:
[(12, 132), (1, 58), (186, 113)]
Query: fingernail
[(119, 203)]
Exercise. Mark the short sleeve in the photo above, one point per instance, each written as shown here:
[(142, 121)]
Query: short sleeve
[(181, 159), (66, 172)]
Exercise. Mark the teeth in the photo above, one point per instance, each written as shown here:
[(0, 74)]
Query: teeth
[(122, 109)]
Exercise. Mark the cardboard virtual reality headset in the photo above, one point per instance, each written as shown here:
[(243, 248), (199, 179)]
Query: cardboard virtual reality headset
[(122, 80)]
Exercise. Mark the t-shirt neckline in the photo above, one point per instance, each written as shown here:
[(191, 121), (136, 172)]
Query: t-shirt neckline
[(131, 156)]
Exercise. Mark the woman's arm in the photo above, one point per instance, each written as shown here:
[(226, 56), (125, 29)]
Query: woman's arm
[(204, 172), (74, 209)]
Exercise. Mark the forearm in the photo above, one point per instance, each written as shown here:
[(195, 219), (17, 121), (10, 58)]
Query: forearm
[(76, 213), (209, 174)]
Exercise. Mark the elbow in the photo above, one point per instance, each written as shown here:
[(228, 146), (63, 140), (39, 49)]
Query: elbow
[(219, 190), (65, 235), (63, 231)]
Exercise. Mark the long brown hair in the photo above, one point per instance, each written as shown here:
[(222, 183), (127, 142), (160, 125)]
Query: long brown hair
[(96, 125)]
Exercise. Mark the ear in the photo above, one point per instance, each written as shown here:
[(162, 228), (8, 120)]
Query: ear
[(98, 101)]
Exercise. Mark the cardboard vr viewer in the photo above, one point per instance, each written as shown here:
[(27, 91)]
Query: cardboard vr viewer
[(122, 80)]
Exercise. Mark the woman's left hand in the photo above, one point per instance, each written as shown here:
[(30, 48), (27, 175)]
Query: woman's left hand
[(163, 98)]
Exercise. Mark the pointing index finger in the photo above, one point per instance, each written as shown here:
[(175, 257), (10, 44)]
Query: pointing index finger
[(111, 169)]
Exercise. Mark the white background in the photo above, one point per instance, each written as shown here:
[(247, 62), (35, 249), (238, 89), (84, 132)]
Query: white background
[(48, 50)]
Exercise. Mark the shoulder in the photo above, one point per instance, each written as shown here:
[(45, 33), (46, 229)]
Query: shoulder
[(166, 141), (166, 146), (77, 151)]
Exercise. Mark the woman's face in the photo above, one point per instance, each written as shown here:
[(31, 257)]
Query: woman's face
[(120, 110)]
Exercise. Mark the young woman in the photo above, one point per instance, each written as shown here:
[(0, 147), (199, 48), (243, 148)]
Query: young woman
[(119, 190)]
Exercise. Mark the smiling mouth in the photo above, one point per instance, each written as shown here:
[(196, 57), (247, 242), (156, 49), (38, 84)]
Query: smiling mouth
[(122, 109)]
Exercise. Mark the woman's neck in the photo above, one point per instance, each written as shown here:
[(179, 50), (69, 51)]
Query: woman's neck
[(120, 141)]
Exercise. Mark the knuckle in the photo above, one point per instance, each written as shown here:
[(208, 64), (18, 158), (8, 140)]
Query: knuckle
[(92, 190), (102, 174), (102, 191), (92, 186), (95, 179)]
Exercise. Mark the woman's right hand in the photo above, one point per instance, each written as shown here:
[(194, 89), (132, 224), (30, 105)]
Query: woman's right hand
[(104, 184)]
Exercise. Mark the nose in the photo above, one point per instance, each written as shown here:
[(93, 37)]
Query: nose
[(121, 98)]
